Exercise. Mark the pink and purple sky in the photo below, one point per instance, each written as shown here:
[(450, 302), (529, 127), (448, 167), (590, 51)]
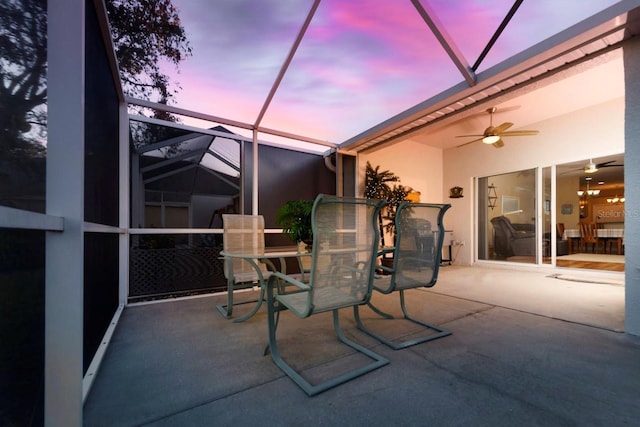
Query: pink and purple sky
[(360, 62)]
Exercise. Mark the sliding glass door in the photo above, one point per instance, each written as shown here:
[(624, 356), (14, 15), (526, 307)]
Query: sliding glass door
[(513, 227), (507, 217)]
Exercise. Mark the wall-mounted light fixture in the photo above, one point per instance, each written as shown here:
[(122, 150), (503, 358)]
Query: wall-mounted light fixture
[(455, 192), (492, 196)]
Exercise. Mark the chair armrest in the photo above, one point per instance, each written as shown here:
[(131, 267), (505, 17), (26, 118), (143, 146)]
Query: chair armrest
[(290, 280)]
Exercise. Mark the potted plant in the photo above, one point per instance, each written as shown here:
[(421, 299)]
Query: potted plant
[(295, 219)]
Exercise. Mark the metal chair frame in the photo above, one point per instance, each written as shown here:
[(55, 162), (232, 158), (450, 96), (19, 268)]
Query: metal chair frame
[(331, 285), (244, 273), (395, 274)]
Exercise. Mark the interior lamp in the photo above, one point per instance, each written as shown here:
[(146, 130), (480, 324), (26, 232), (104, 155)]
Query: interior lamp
[(589, 192), (491, 139)]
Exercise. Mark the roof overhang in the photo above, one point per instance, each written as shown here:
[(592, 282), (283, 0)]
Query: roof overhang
[(590, 38)]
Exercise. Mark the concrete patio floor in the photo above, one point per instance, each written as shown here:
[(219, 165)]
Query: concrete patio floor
[(527, 349)]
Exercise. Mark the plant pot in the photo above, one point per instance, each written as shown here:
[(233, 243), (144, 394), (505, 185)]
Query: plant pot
[(386, 262)]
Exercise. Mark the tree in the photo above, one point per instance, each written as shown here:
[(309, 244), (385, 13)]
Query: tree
[(145, 32), (23, 66)]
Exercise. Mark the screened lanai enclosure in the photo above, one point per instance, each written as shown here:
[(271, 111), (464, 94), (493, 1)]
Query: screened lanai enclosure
[(111, 196), (182, 182)]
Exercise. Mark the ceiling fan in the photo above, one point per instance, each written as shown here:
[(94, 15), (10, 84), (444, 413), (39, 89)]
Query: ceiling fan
[(493, 135), (593, 167)]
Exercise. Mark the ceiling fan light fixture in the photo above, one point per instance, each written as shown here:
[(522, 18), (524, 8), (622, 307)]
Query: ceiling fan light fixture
[(491, 139), (590, 167)]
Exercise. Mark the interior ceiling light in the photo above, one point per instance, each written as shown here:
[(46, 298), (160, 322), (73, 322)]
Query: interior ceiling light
[(589, 192)]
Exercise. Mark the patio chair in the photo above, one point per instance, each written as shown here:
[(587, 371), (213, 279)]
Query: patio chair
[(345, 242), (244, 234), (417, 256)]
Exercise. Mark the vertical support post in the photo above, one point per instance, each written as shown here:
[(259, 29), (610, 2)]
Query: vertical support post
[(254, 183), (64, 279), (339, 174), (125, 204), (243, 176)]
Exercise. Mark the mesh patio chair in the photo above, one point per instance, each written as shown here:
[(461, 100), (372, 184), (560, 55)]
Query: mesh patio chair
[(417, 256), (243, 234), (345, 242)]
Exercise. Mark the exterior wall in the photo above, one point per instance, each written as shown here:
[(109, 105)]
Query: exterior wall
[(632, 177), (418, 166)]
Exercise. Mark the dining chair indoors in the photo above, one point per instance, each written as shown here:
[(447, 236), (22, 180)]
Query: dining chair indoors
[(589, 235), (345, 242), (417, 256), (243, 234)]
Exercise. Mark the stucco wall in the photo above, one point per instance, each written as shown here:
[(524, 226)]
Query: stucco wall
[(632, 177), (418, 166)]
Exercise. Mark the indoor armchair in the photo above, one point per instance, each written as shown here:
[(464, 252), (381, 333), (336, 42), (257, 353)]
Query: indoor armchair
[(510, 240)]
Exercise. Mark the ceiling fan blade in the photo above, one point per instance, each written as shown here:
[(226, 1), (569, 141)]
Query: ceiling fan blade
[(607, 165), (498, 143), (500, 129), (470, 142), (467, 136), (603, 164), (520, 133)]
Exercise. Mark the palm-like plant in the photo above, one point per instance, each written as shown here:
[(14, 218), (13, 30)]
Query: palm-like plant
[(295, 219), (397, 194), (376, 186)]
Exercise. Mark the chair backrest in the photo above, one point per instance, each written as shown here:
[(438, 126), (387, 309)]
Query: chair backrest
[(419, 240), (502, 226), (560, 229), (345, 244), (242, 234), (588, 230)]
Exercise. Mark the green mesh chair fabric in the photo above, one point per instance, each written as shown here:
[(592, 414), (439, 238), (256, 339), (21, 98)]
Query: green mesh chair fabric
[(416, 261), (345, 242), (243, 234)]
